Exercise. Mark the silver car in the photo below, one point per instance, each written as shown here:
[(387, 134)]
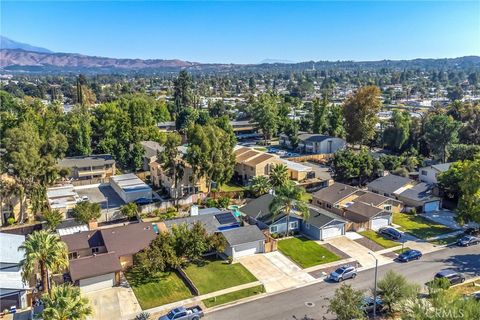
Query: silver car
[(343, 273)]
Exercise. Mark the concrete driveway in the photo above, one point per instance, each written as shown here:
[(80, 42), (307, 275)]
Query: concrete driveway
[(113, 303), (274, 272), (356, 251)]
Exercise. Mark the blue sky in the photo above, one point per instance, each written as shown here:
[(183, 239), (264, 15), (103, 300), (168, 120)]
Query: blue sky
[(248, 32)]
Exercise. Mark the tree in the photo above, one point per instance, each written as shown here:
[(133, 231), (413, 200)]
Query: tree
[(79, 131), (346, 303), (53, 218), (65, 303), (440, 131), (469, 204), (216, 242), (460, 152), (86, 211), (172, 164), (319, 111), (129, 210), (278, 176), (291, 131), (360, 112), (287, 200), (393, 290), (455, 93), (265, 114), (260, 185), (182, 91), (159, 256), (45, 251), (336, 122), (449, 181), (397, 134), (348, 164), (191, 242)]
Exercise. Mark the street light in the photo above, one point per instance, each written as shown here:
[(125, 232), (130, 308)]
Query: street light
[(375, 286)]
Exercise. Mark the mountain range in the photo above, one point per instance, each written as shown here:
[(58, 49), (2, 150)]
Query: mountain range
[(16, 57)]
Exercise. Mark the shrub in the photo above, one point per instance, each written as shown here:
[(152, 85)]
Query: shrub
[(10, 221), (223, 202), (210, 203)]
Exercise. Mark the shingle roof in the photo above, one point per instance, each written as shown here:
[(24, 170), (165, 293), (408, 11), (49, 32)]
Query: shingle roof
[(247, 155), (307, 137), (209, 221), (421, 192), (442, 167), (261, 158), (151, 148), (243, 235), (361, 212), (335, 192), (389, 183), (85, 161), (372, 198), (259, 208), (129, 239), (320, 217), (83, 240), (93, 266)]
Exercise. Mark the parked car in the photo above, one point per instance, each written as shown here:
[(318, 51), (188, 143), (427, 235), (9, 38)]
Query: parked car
[(182, 313), (367, 305), (452, 276), (390, 233), (468, 241), (472, 231), (343, 273), (409, 255), (476, 296)]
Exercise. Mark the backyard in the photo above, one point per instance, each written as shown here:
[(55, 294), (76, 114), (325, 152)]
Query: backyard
[(419, 226), (231, 187), (233, 296), (379, 239), (157, 290), (216, 275), (306, 253)]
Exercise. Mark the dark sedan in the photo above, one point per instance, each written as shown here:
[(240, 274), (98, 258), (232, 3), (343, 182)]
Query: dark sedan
[(390, 233), (409, 255), (468, 241)]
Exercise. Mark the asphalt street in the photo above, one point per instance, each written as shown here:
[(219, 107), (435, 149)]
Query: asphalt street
[(310, 302)]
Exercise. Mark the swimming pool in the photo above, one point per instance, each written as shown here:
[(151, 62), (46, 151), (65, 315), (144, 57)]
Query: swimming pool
[(235, 211)]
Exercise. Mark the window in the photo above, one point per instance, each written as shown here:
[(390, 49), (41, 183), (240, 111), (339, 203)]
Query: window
[(95, 250), (387, 207), (273, 229), (294, 225), (424, 173), (329, 206), (307, 226), (319, 203), (72, 255)]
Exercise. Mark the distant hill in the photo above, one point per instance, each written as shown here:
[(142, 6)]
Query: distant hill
[(276, 61), (6, 43)]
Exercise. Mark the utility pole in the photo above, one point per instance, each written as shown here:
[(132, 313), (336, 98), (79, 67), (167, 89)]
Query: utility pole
[(375, 286)]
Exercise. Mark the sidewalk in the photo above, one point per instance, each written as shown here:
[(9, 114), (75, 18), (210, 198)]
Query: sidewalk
[(198, 299)]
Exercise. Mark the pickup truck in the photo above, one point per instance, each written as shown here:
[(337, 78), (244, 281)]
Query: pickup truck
[(182, 313)]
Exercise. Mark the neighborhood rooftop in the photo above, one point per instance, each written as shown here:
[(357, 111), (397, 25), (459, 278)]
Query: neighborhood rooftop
[(389, 183), (335, 192), (86, 161)]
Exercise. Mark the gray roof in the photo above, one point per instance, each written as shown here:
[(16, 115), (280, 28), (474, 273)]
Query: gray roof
[(307, 137), (389, 183), (9, 244), (86, 161), (92, 266), (151, 148), (320, 217), (421, 192), (259, 209), (442, 167), (243, 235), (335, 192), (209, 221)]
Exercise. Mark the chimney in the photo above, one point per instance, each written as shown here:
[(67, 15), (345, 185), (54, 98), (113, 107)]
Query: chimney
[(92, 224)]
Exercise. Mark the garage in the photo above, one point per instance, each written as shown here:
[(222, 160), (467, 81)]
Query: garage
[(97, 283), (332, 231), (244, 241), (431, 206), (380, 222)]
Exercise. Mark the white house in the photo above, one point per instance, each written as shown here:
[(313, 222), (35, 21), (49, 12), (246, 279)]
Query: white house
[(429, 174), (315, 143)]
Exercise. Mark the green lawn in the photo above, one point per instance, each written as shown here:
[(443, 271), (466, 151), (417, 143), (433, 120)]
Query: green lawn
[(306, 253), (231, 187), (400, 250), (419, 226), (158, 290), (233, 296), (379, 239), (260, 149), (216, 275)]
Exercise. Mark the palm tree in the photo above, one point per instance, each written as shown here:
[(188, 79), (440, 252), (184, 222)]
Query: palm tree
[(278, 175), (288, 198), (260, 185), (46, 251), (65, 303)]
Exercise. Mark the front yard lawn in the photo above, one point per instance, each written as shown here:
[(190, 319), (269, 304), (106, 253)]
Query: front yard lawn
[(231, 187), (419, 226), (466, 288), (379, 239), (233, 296), (306, 253), (216, 275), (155, 291), (399, 251)]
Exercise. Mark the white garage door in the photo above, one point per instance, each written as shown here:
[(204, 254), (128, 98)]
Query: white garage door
[(332, 231), (431, 206), (97, 283), (247, 249), (379, 223)]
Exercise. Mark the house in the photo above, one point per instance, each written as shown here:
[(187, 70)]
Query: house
[(97, 257), (150, 153), (63, 198), (363, 210), (429, 174), (412, 194), (241, 240), (130, 188), (315, 143), (320, 225), (13, 290), (97, 167), (250, 163)]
